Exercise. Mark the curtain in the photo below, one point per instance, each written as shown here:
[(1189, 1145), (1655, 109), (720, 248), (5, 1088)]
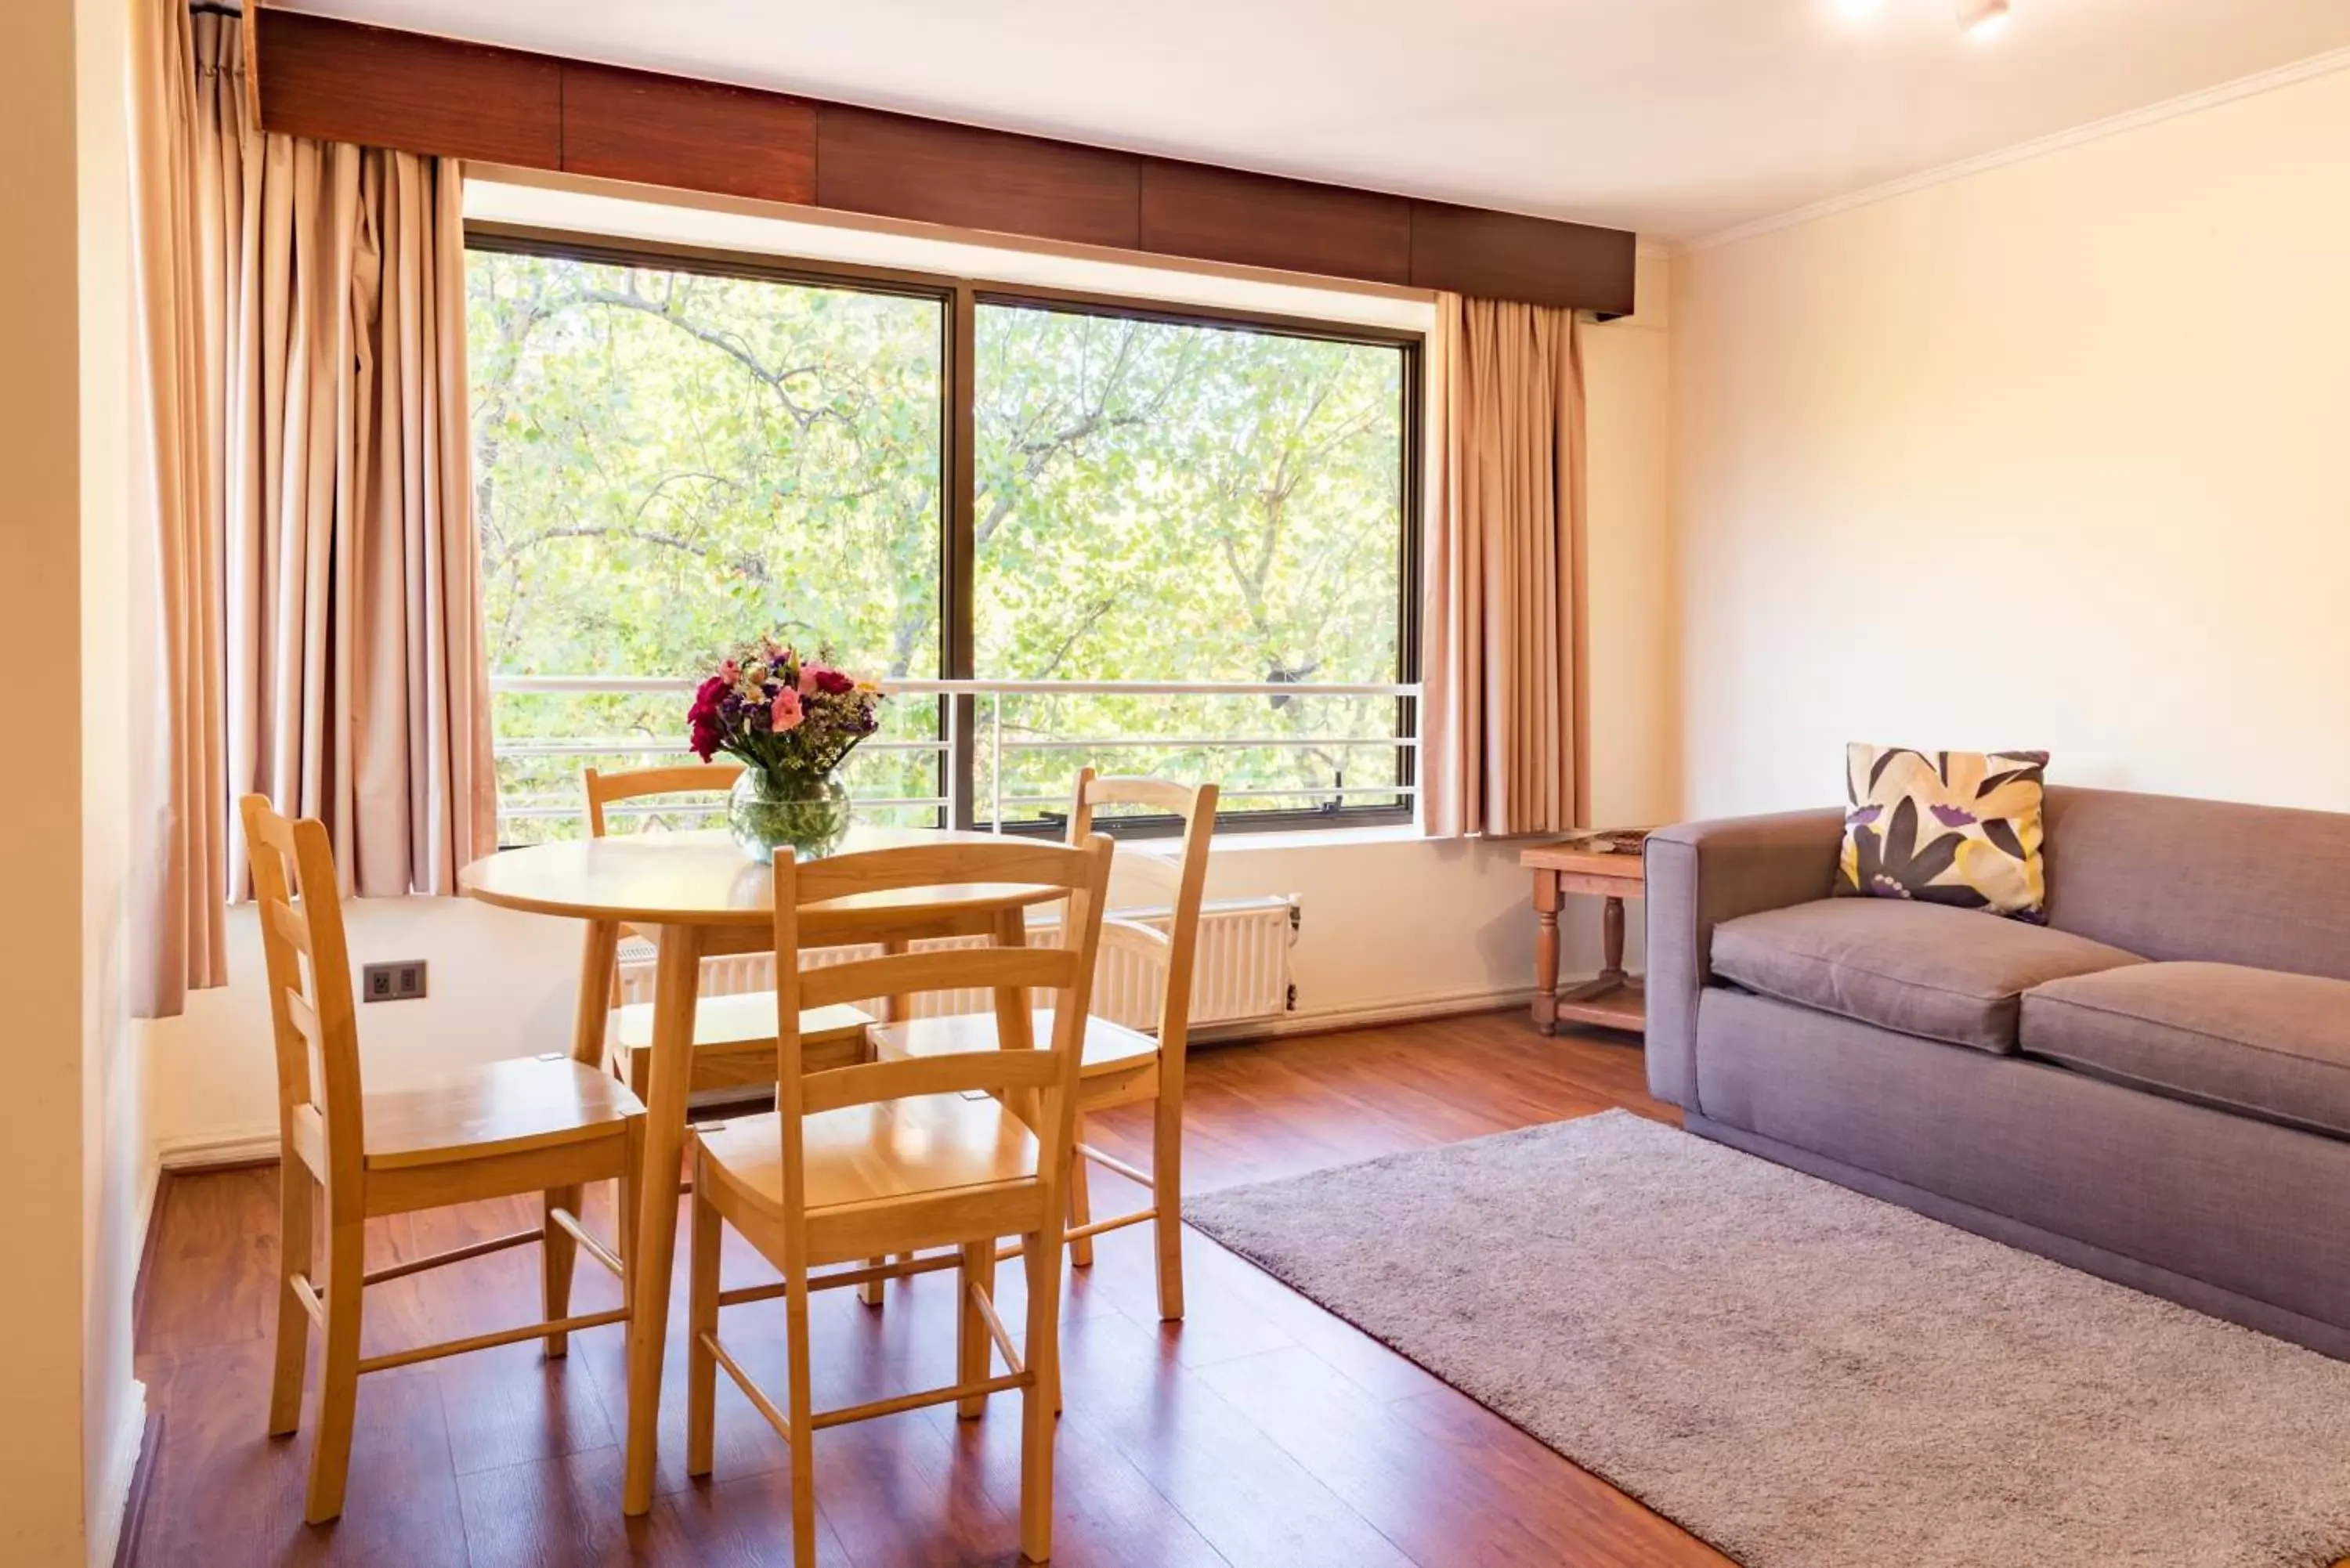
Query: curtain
[(312, 581), (1501, 747)]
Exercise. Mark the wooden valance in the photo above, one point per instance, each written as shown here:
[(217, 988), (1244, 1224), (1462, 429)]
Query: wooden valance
[(342, 81)]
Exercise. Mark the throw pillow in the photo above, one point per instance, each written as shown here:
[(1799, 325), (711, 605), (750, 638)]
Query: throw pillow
[(1945, 827)]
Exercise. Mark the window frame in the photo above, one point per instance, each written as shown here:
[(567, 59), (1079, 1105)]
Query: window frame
[(960, 299)]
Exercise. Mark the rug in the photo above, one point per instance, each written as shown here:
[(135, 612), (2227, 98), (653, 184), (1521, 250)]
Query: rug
[(1809, 1378)]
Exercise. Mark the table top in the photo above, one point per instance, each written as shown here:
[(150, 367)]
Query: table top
[(704, 879), (1621, 865)]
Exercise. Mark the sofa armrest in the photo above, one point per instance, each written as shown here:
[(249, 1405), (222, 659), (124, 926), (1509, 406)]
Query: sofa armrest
[(1702, 872)]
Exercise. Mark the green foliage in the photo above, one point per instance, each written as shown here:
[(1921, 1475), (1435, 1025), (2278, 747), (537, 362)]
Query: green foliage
[(669, 462)]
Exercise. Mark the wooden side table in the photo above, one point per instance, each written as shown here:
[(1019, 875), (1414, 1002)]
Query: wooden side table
[(1612, 999)]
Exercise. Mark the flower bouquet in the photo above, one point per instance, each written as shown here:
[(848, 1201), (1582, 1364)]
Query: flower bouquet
[(792, 719)]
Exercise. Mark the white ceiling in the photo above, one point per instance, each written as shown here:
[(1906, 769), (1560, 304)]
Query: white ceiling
[(1676, 118)]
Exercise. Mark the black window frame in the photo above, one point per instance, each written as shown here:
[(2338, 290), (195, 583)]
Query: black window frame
[(960, 299)]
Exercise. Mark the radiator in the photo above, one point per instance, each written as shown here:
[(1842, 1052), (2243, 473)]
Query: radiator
[(1242, 972)]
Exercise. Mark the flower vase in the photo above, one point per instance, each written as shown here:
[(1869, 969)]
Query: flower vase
[(770, 813)]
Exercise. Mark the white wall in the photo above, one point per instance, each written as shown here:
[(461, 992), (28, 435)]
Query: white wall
[(1392, 924), (2050, 456)]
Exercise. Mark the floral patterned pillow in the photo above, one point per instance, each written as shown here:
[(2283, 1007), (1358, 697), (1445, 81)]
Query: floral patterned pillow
[(1945, 827)]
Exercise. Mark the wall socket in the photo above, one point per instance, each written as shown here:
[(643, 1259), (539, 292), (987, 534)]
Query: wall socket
[(402, 982)]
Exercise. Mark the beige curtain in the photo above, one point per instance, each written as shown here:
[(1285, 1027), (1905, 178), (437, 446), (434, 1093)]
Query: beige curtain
[(1501, 662), (314, 582)]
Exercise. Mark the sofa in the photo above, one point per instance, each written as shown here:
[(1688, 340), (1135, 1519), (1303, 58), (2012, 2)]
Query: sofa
[(2153, 1086)]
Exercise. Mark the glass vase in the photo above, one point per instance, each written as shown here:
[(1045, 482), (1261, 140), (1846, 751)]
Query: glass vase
[(769, 814)]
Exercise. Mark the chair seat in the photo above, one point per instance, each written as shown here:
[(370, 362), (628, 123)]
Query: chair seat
[(501, 1107), (734, 1040), (1109, 1047), (923, 1145), (743, 1018)]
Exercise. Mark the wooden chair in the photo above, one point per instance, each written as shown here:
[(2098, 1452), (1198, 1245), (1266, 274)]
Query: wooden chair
[(544, 1124), (733, 1035), (1121, 1067), (953, 1151)]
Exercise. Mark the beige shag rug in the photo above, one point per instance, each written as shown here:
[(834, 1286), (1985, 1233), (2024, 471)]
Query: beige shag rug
[(1809, 1378)]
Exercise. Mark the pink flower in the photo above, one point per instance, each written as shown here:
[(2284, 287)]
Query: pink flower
[(785, 714), (729, 671), (808, 673)]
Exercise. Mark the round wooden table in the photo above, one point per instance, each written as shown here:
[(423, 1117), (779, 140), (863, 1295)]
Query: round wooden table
[(696, 895)]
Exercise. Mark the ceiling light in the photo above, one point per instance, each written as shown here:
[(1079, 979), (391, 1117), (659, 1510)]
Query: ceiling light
[(1982, 19)]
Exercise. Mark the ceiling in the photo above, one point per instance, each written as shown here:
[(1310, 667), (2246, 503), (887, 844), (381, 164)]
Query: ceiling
[(1675, 117)]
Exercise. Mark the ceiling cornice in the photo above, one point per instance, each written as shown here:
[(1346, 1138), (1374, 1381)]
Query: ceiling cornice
[(2039, 147)]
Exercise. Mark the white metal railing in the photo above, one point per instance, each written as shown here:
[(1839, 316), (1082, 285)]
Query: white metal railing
[(989, 696)]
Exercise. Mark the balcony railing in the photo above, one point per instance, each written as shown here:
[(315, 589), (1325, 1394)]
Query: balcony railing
[(1021, 758)]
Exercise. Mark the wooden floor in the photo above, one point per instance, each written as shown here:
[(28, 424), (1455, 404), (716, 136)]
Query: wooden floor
[(1260, 1431)]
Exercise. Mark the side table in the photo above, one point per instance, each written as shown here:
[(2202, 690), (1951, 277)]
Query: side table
[(1612, 999)]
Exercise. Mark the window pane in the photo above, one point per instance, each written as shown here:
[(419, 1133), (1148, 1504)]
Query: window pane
[(670, 463), (1175, 503)]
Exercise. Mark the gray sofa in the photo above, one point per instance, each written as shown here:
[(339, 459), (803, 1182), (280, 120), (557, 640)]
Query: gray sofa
[(2154, 1086)]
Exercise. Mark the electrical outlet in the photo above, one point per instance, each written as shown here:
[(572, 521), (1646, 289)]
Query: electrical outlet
[(402, 982)]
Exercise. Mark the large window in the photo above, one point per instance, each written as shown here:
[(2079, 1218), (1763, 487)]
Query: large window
[(676, 452)]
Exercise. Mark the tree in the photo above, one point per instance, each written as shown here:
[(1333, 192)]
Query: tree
[(668, 462)]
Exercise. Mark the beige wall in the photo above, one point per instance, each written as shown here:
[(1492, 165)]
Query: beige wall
[(118, 1158), (1391, 926), (68, 1173), (2054, 455)]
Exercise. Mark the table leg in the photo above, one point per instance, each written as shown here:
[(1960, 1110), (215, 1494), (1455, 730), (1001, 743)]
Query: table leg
[(676, 979), (894, 1009), (597, 954), (1611, 940), (1012, 1026), (1545, 1006)]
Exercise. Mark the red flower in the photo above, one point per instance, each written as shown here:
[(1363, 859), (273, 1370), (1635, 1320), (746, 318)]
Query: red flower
[(830, 681)]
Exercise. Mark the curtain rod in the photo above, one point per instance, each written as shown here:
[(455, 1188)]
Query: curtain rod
[(214, 9)]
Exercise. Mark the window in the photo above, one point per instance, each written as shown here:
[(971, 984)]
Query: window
[(674, 453)]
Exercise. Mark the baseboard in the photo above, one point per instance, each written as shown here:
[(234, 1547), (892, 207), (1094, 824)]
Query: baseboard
[(124, 1467), (222, 1151), (1329, 1020), (155, 1192)]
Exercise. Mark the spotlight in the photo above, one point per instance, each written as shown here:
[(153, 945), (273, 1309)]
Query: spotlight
[(1982, 19)]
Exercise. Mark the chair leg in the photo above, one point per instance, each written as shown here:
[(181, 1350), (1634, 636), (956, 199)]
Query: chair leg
[(1041, 1402), (1167, 1203), (625, 1193), (557, 1253), (701, 1318), (869, 1293), (294, 1190), (330, 1462), (975, 1351), (802, 1433), (1081, 1203)]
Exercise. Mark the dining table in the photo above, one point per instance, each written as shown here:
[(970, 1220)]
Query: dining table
[(696, 895)]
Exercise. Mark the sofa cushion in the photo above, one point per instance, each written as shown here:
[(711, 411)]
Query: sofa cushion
[(1923, 969), (2254, 1041)]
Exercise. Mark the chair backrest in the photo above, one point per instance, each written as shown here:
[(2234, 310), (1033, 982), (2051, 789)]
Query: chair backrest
[(1046, 1076), (1175, 951), (300, 905), (686, 778)]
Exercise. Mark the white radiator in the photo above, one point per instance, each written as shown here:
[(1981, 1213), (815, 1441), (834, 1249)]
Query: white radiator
[(1242, 972)]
